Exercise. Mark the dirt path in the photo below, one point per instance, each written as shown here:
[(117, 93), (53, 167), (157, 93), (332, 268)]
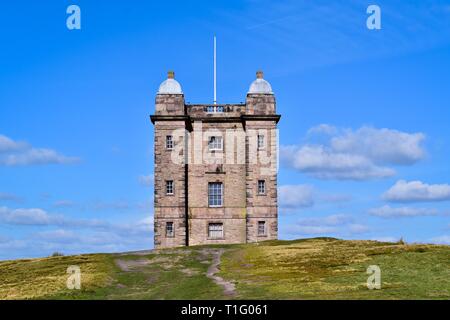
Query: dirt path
[(228, 288)]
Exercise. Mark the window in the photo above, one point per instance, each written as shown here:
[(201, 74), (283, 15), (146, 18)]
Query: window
[(215, 231), (261, 142), (215, 194), (169, 187), (169, 142), (170, 231), (215, 143), (213, 109), (261, 187), (261, 228)]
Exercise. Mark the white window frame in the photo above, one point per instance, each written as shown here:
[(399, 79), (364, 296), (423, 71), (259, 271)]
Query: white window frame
[(217, 145), (262, 187), (215, 200), (261, 142), (215, 109), (170, 185), (171, 233), (263, 224), (169, 142), (215, 230)]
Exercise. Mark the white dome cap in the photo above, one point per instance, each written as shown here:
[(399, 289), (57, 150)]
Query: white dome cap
[(260, 85), (170, 86)]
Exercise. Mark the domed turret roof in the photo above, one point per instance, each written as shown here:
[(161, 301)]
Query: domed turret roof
[(170, 86), (260, 85)]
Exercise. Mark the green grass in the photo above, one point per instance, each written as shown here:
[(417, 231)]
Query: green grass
[(336, 269), (321, 268)]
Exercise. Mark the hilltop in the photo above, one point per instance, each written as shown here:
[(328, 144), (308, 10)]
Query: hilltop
[(320, 268)]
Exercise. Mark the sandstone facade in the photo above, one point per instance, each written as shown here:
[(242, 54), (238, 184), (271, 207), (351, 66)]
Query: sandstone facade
[(215, 171)]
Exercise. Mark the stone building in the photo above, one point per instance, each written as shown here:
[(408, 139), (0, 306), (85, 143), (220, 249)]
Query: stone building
[(215, 168)]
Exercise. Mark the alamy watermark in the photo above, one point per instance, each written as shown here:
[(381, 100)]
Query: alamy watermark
[(374, 280), (374, 20), (74, 279), (224, 147), (73, 21)]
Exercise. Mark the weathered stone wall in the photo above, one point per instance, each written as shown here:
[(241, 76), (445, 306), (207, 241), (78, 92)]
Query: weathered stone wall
[(169, 104), (238, 166), (260, 104), (169, 207), (217, 167), (261, 165), (229, 110)]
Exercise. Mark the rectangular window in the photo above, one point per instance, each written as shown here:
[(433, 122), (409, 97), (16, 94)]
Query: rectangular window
[(215, 194), (169, 142), (261, 187), (215, 143), (261, 228), (215, 231), (261, 141), (213, 109), (169, 187), (170, 231)]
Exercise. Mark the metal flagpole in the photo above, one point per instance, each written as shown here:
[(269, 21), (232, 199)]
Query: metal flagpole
[(215, 72)]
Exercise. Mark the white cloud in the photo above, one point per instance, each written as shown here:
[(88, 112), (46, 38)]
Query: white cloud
[(416, 191), (390, 212), (366, 153), (381, 145), (323, 163), (39, 217), (146, 180), (14, 153), (445, 239), (69, 235), (295, 196), (8, 145), (338, 224), (323, 129), (25, 217)]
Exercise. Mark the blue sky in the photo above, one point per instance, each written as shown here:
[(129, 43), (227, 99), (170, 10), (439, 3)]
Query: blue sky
[(364, 131)]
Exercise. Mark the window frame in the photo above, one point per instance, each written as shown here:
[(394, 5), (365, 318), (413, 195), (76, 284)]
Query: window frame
[(215, 148), (169, 139), (172, 234), (215, 109), (220, 232), (172, 186), (264, 225), (264, 186), (263, 146), (210, 184)]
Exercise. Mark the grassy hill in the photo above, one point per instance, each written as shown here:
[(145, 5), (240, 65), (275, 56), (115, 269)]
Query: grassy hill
[(321, 268)]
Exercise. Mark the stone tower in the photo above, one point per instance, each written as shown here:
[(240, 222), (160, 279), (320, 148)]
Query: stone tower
[(215, 168)]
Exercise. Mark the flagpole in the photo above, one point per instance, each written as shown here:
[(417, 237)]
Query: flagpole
[(215, 72)]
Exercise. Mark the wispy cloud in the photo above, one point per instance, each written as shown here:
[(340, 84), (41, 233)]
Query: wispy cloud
[(49, 232), (18, 153), (146, 180), (444, 239), (5, 196), (295, 196), (338, 224), (401, 212)]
